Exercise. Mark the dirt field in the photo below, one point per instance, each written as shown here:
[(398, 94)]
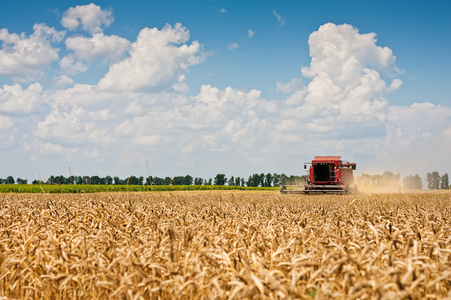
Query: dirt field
[(225, 245)]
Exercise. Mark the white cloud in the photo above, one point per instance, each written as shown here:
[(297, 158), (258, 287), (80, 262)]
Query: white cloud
[(69, 66), (67, 124), (101, 115), (91, 153), (99, 46), (62, 81), (89, 17), (250, 33), (5, 122), (155, 60), (344, 108), (180, 85), (126, 128), (447, 132), (222, 10), (50, 148), (279, 18), (286, 88), (233, 46), (18, 101), (345, 69), (21, 54), (419, 118), (146, 140), (82, 95), (139, 110)]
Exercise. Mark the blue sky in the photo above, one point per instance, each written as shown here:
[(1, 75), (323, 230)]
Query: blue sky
[(233, 87)]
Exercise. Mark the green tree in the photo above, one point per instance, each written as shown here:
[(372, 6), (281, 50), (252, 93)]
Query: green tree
[(268, 179), (95, 179), (168, 180), (444, 182), (108, 180), (231, 181), (276, 179), (198, 181), (51, 180), (188, 180), (117, 180), (433, 180), (283, 179), (413, 182), (417, 182), (87, 180), (254, 180), (237, 181), (22, 181), (249, 181), (157, 181), (133, 180), (10, 180), (220, 179), (179, 180)]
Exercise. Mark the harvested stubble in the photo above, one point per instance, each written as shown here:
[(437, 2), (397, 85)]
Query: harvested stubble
[(225, 245)]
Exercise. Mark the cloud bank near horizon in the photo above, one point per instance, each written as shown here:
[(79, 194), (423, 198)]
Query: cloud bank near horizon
[(139, 108)]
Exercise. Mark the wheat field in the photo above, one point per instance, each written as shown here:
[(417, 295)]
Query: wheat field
[(225, 245)]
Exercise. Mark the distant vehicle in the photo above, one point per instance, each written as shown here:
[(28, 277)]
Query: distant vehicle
[(326, 175)]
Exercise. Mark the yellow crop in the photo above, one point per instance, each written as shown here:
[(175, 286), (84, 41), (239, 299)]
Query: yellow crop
[(223, 245)]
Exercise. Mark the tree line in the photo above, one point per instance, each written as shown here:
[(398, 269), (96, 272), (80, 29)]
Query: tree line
[(255, 180), (433, 180)]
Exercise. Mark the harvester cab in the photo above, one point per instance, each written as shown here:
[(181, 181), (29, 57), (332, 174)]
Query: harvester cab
[(326, 175)]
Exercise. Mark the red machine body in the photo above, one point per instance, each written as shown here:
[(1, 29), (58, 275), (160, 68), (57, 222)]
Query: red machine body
[(327, 175)]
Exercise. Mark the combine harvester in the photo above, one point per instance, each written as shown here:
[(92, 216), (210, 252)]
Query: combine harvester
[(326, 175)]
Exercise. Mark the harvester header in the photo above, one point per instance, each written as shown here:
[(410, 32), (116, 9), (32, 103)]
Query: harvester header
[(326, 175)]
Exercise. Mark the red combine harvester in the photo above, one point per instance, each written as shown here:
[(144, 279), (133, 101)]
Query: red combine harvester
[(327, 175)]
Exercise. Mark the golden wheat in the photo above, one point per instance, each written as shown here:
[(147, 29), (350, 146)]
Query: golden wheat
[(233, 245)]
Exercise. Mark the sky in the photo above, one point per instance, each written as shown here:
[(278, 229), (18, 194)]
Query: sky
[(223, 87)]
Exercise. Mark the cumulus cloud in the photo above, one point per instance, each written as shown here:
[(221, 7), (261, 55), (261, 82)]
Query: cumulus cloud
[(344, 108), (66, 123), (82, 95), (21, 54), (250, 33), (155, 60), (18, 101), (70, 66), (140, 106), (62, 81), (99, 46), (73, 126), (340, 50), (57, 149), (89, 17), (346, 68), (294, 85)]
